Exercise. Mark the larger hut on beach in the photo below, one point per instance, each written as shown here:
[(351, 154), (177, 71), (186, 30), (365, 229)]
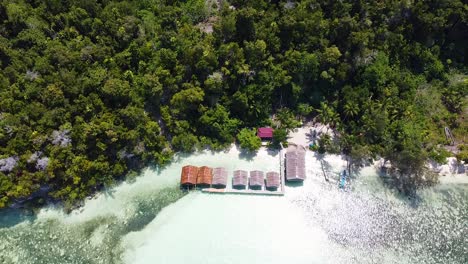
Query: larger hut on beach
[(272, 180), (295, 163), (239, 179), (188, 176), (220, 177), (256, 179), (205, 175)]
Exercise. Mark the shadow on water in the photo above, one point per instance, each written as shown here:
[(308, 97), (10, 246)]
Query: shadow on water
[(149, 207), (412, 199), (10, 217), (180, 156), (294, 184), (326, 167), (247, 155), (109, 192), (272, 151), (51, 240)]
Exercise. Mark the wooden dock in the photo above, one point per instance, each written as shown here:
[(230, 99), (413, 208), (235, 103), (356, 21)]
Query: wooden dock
[(282, 171), (235, 191)]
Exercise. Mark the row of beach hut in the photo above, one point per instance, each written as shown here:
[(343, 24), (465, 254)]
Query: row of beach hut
[(218, 177)]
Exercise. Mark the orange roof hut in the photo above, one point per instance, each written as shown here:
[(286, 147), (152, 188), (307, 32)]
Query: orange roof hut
[(272, 180), (220, 176), (189, 175), (256, 179), (205, 175)]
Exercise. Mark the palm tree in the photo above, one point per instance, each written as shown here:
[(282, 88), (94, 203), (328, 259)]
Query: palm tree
[(328, 115), (351, 109), (323, 113)]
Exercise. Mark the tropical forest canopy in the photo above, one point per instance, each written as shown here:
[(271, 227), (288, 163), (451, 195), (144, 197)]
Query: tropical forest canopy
[(93, 91)]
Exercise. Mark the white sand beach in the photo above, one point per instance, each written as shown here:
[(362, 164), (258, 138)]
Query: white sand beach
[(308, 134), (451, 172)]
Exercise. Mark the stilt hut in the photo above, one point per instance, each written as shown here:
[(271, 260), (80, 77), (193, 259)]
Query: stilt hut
[(272, 180), (256, 179), (189, 174), (295, 163), (239, 179), (205, 175), (220, 176)]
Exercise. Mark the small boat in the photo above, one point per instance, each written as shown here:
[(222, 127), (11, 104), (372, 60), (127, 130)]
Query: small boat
[(343, 177)]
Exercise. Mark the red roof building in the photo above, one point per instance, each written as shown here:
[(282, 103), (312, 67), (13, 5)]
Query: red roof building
[(189, 175), (204, 175), (265, 133)]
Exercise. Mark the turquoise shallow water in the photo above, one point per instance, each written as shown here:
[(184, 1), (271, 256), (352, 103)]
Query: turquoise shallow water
[(152, 221)]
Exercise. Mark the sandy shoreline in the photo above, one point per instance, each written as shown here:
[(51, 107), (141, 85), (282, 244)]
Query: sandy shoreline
[(451, 172)]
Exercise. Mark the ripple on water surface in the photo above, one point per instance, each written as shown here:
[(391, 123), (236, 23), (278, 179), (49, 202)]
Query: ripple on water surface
[(141, 222)]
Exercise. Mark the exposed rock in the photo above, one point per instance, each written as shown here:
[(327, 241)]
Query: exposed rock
[(34, 157), (8, 164), (31, 75), (290, 4), (61, 138), (42, 163)]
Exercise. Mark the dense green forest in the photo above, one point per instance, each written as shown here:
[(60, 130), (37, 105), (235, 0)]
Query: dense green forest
[(93, 91)]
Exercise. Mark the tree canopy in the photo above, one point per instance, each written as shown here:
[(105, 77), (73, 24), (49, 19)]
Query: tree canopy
[(93, 90)]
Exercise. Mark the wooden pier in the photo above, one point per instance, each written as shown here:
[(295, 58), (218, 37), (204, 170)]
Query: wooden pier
[(247, 191), (282, 171)]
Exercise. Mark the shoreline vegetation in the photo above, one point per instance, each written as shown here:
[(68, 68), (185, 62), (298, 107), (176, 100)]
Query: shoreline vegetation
[(93, 92), (450, 171)]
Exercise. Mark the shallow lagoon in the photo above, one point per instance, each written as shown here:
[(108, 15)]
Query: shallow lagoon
[(152, 221)]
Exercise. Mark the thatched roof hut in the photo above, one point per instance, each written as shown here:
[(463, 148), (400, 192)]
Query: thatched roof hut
[(256, 178), (295, 163), (239, 178), (220, 176), (189, 175), (205, 175), (272, 180)]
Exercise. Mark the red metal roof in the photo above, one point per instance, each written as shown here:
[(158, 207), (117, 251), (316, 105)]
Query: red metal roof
[(204, 175), (189, 175), (265, 132)]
